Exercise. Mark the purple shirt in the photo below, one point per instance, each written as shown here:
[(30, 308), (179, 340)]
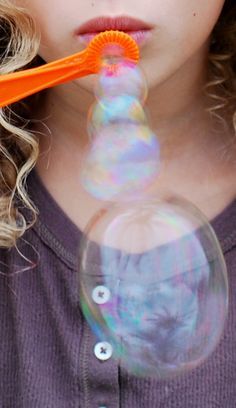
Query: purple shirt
[(47, 356)]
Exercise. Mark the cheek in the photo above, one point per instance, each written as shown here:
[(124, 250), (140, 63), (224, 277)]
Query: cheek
[(180, 38), (49, 16), (194, 20), (56, 27), (185, 29)]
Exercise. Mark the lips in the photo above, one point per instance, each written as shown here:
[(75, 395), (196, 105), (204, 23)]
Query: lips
[(139, 30), (122, 23)]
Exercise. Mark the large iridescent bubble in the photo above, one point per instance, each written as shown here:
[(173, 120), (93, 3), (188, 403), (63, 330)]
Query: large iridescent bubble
[(153, 284), (152, 275)]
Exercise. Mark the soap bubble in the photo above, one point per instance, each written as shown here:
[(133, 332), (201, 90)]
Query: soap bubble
[(124, 155), (120, 109), (153, 284), (122, 78), (123, 159)]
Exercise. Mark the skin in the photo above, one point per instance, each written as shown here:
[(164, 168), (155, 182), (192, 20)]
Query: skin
[(174, 62)]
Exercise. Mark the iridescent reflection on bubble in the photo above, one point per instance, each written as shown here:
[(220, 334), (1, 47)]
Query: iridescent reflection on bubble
[(126, 79), (122, 109), (124, 155), (164, 270), (127, 164)]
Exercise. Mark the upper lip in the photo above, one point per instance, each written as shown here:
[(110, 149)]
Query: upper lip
[(122, 23)]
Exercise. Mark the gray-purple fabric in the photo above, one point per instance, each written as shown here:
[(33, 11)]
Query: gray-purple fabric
[(47, 355)]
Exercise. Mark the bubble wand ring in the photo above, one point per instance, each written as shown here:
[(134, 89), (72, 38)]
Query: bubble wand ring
[(18, 85)]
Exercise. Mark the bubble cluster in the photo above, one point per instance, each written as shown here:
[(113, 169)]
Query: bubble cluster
[(151, 274), (124, 155), (153, 284)]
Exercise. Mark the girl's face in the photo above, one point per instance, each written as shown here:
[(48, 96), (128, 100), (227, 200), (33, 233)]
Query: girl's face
[(180, 35)]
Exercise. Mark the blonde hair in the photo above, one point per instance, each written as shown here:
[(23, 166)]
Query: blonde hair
[(221, 85), (19, 147)]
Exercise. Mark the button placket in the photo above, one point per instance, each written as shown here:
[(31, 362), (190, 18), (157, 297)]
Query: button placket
[(101, 372), (100, 379)]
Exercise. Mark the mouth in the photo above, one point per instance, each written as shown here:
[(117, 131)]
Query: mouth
[(139, 30)]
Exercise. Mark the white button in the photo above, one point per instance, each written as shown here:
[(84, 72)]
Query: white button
[(101, 294), (103, 350)]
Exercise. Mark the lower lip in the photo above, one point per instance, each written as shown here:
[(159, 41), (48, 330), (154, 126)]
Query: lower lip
[(141, 37)]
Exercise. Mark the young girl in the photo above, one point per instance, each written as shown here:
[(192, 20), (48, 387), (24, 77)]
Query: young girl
[(48, 355)]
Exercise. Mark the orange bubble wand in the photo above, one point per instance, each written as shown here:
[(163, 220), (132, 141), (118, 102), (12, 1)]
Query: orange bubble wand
[(18, 85)]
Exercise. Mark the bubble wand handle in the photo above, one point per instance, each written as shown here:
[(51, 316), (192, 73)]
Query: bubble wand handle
[(18, 85)]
